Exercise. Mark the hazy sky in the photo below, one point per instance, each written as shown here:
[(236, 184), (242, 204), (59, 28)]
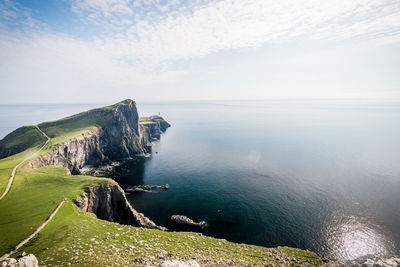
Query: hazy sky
[(107, 50)]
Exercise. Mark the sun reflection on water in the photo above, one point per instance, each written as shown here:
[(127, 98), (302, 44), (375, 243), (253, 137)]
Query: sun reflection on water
[(349, 237)]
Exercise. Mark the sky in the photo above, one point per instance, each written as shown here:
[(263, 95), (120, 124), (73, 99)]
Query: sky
[(80, 51)]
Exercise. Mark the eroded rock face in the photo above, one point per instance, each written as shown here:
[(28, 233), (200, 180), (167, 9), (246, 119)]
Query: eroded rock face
[(75, 153), (109, 203), (120, 137)]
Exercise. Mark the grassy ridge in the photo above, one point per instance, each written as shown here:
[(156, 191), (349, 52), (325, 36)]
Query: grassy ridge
[(19, 140), (83, 240), (8, 164), (59, 131)]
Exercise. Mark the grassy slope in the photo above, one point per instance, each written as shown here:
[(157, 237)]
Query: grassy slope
[(83, 240), (8, 164), (21, 139), (59, 131), (68, 130), (34, 195)]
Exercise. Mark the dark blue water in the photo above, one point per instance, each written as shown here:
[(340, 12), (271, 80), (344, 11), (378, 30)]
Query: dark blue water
[(318, 175)]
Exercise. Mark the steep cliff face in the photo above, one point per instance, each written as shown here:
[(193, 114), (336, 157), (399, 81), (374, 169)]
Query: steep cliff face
[(153, 127), (109, 203), (119, 136), (75, 153)]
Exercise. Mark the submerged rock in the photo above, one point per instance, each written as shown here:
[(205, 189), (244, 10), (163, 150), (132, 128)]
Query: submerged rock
[(182, 219)]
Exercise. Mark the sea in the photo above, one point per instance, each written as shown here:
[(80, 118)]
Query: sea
[(322, 175)]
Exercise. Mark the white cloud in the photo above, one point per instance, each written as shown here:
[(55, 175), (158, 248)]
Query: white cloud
[(63, 64), (12, 14), (138, 38), (171, 33)]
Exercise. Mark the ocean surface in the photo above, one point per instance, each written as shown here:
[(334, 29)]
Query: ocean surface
[(318, 175)]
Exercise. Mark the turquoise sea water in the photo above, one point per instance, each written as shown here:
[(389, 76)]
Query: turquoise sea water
[(318, 175)]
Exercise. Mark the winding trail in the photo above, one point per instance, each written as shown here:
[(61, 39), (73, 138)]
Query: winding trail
[(34, 233), (22, 162)]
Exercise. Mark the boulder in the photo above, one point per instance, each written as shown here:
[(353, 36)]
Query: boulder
[(26, 261)]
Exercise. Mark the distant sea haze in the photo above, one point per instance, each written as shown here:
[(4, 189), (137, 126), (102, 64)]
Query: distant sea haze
[(318, 175)]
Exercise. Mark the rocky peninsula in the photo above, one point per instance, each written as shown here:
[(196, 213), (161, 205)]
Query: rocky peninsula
[(120, 135), (117, 134)]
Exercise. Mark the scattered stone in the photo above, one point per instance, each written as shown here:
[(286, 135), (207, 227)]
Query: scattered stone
[(26, 261), (177, 263)]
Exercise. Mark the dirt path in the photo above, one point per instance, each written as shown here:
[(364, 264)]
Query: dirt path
[(34, 233), (22, 162)]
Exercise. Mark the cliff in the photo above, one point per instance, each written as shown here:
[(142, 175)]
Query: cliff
[(109, 203), (118, 135), (74, 154)]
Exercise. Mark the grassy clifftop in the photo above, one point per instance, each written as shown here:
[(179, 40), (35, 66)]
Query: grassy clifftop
[(59, 131), (19, 140)]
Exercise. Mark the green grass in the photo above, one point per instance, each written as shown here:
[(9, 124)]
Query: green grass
[(8, 164), (33, 196), (302, 255), (146, 121), (63, 132), (59, 131), (21, 139), (81, 239)]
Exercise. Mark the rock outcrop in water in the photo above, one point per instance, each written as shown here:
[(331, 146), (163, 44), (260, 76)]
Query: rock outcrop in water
[(181, 219), (145, 188), (120, 136), (109, 203)]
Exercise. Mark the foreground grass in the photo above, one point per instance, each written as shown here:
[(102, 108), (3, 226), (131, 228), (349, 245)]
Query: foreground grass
[(75, 238), (34, 195), (8, 164)]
